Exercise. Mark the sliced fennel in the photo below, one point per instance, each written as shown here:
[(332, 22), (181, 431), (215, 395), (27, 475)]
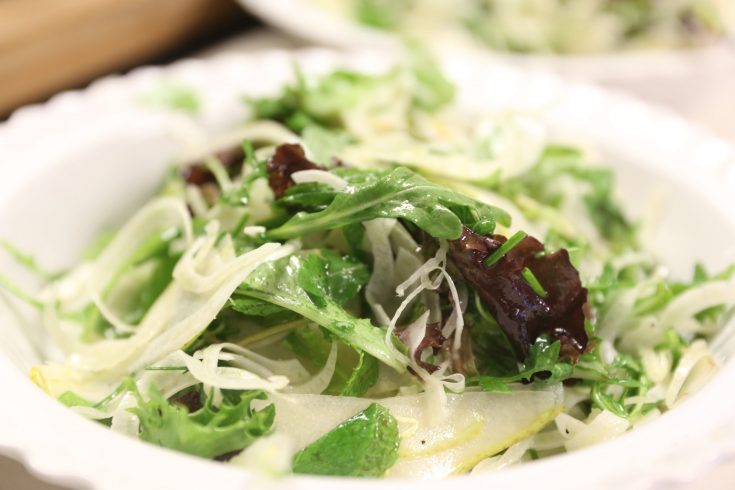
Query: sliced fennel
[(475, 426)]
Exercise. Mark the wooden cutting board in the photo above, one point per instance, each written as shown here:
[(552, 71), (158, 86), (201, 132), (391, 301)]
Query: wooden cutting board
[(50, 45)]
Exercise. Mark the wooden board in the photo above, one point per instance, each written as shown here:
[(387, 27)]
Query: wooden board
[(51, 45)]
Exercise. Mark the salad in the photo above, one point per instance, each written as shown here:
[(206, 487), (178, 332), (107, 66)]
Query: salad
[(367, 282), (547, 26)]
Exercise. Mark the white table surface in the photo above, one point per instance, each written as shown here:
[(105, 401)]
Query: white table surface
[(710, 103)]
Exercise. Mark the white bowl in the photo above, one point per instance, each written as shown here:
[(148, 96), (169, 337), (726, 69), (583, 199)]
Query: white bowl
[(307, 20), (86, 159)]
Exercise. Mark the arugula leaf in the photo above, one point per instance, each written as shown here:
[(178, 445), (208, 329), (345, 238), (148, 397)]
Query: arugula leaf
[(252, 168), (279, 283), (309, 196), (655, 301), (28, 261), (674, 343), (493, 353), (363, 376), (365, 445), (400, 193), (323, 101), (353, 375), (354, 234), (610, 384), (253, 307), (323, 273), (208, 432), (324, 144), (565, 162), (154, 251), (329, 275), (542, 362), (19, 293), (433, 90), (316, 101), (71, 399), (157, 282)]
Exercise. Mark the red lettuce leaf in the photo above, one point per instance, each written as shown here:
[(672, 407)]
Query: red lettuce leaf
[(198, 174), (432, 338), (520, 311), (287, 159)]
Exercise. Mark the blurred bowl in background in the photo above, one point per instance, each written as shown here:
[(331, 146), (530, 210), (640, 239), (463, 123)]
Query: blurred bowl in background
[(309, 21)]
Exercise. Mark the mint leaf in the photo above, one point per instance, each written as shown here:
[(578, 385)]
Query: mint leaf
[(365, 445), (208, 432)]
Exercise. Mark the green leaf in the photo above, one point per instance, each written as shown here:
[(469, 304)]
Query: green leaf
[(400, 193), (174, 97), (611, 384), (559, 162), (28, 261), (328, 274), (71, 399), (19, 293), (324, 144), (208, 432), (278, 283), (363, 376), (253, 169), (148, 293), (309, 196), (674, 343), (655, 301), (433, 90), (493, 353), (155, 252), (316, 101), (382, 14), (323, 101), (354, 234), (365, 445), (489, 383), (252, 306), (542, 362), (355, 371), (607, 402)]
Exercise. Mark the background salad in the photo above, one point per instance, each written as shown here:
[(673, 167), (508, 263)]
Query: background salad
[(548, 26)]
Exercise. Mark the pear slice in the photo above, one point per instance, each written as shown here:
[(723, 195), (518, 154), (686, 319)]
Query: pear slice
[(472, 426)]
